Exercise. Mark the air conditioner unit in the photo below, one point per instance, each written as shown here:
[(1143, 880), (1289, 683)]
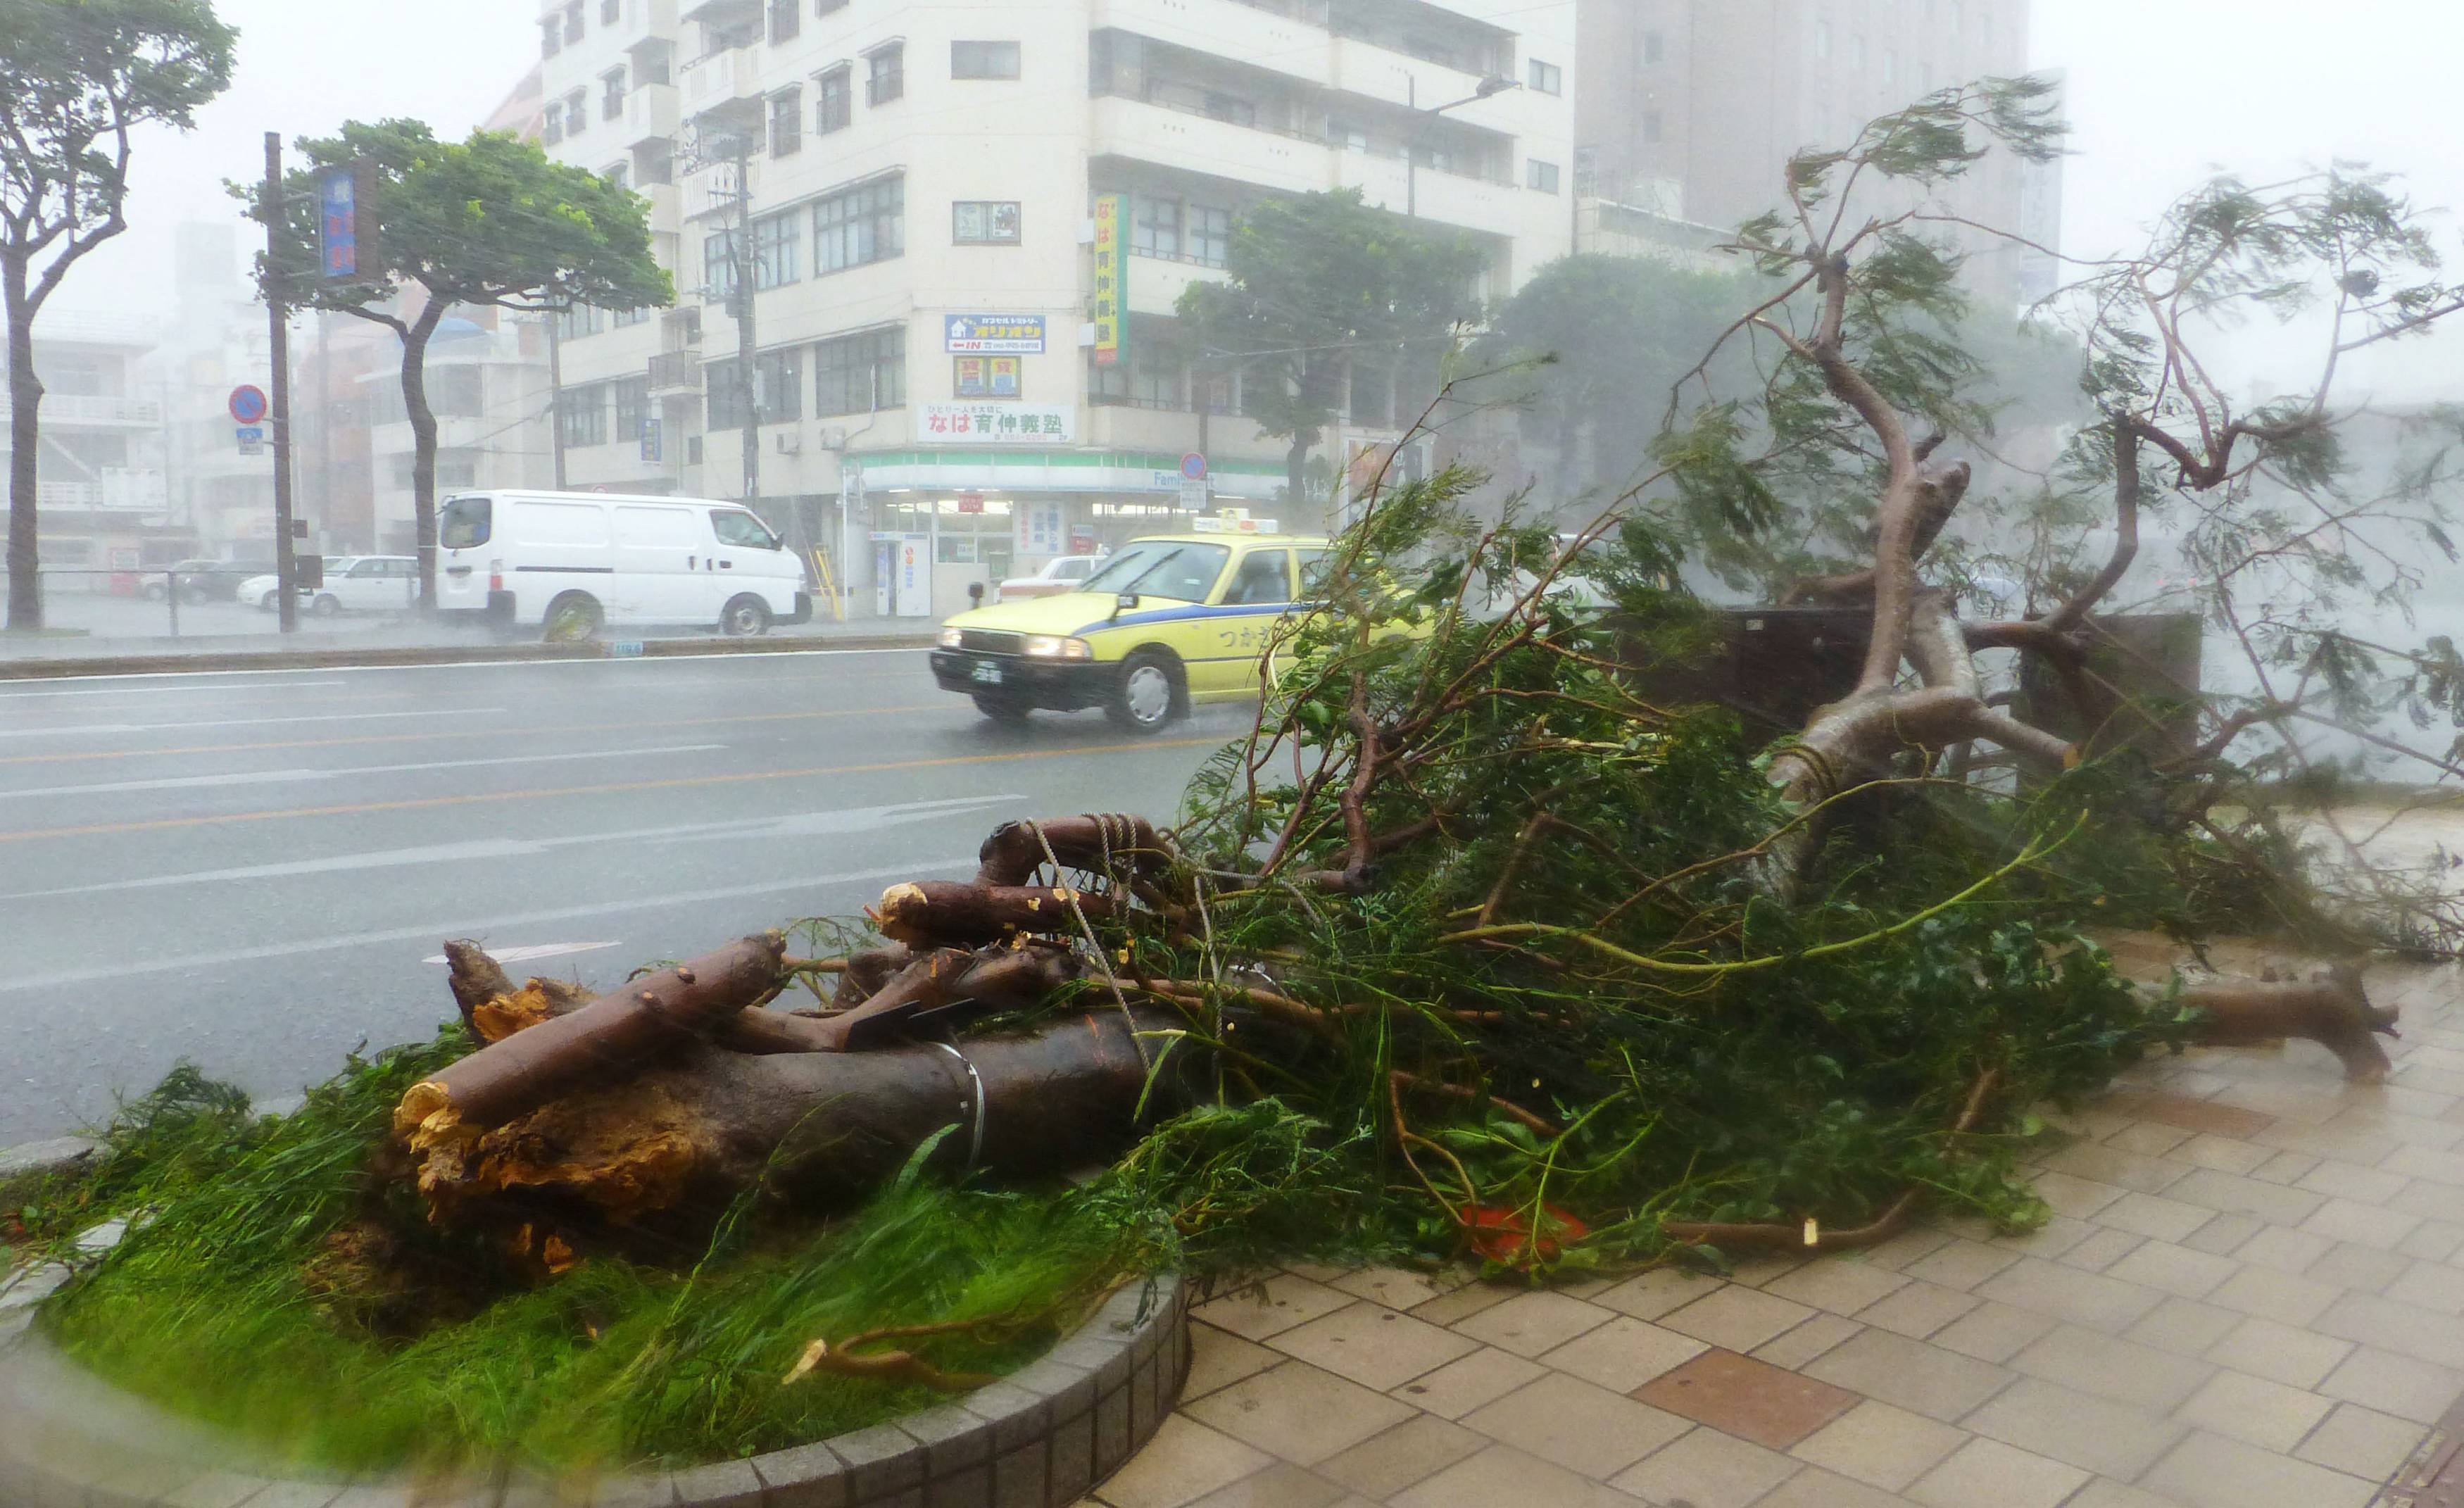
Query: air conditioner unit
[(791, 445)]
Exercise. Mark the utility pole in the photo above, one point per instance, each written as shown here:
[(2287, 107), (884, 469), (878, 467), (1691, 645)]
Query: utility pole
[(556, 393), (286, 561), (747, 341)]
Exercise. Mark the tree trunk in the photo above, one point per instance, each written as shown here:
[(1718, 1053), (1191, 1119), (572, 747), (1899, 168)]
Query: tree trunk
[(24, 435), (423, 442), (1296, 468)]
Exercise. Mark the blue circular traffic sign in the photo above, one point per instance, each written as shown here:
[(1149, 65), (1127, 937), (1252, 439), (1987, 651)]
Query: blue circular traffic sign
[(1193, 466), (248, 405)]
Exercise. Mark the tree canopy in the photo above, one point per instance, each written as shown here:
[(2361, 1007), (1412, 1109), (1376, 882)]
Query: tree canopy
[(488, 221), (76, 79), (1318, 282)]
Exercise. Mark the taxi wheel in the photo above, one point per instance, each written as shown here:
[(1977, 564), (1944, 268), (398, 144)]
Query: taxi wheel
[(1147, 694), (1002, 710)]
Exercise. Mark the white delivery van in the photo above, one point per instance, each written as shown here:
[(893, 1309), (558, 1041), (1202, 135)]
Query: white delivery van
[(521, 559)]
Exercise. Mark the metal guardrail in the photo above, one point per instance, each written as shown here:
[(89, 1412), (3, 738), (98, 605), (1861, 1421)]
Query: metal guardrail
[(64, 586)]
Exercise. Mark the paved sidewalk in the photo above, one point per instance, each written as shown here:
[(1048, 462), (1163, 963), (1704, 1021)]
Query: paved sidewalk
[(2251, 1296)]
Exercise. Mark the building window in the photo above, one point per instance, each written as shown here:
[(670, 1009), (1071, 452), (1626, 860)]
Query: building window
[(836, 108), (627, 318), (1655, 47), (577, 112), (1543, 176), (552, 123), (578, 322), (782, 375), (788, 122), (726, 406), (826, 7), (1548, 78), (777, 241), (984, 222), (582, 415), (611, 97), (654, 166), (1210, 235), (786, 20), (619, 176), (611, 11), (885, 75), (573, 22), (860, 224), (983, 60), (1154, 226), (551, 37), (632, 407), (856, 373)]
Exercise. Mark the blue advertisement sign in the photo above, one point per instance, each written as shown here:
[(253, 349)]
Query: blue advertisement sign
[(994, 335), (650, 440), (337, 206)]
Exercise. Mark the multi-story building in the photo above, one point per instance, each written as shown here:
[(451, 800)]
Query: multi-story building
[(102, 502), (487, 384), (923, 184), (1691, 109)]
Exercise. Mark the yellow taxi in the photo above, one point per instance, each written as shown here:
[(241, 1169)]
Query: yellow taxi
[(1166, 622)]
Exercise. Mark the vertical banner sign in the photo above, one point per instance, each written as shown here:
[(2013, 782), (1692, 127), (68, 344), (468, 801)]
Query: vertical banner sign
[(347, 224), (1111, 308)]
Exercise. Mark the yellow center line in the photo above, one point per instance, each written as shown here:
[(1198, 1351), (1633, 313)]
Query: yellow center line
[(525, 732), (476, 798)]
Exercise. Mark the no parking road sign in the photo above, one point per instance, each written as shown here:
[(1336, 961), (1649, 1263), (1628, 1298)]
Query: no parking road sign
[(248, 405)]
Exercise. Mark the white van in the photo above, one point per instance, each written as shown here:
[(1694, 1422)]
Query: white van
[(522, 560)]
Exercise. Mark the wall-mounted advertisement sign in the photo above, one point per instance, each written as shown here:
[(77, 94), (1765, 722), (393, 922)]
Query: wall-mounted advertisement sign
[(981, 335), (993, 377), (995, 424), (1111, 303)]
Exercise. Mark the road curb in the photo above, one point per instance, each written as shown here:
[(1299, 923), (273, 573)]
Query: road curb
[(372, 656), (58, 1155)]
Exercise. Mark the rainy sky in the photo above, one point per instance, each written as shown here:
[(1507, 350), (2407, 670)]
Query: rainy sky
[(2161, 91)]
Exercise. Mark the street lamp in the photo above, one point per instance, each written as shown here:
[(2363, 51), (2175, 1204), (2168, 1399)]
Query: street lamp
[(1492, 85)]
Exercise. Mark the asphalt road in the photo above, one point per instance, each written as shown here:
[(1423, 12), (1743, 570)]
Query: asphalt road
[(254, 871)]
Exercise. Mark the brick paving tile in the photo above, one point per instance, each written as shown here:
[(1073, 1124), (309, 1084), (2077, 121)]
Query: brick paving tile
[(2200, 1116), (2105, 1163), (1655, 1293), (2279, 1353), (1385, 1464), (1282, 1302), (1502, 1475), (1842, 1286), (1988, 1474), (2370, 1269), (1991, 1332), (1707, 1469), (2148, 1138), (2094, 1434), (2225, 1154), (1458, 1387), (1896, 1254), (1218, 1359), (1960, 1264), (1750, 1399), (1918, 1310), (1396, 1288), (2256, 1411), (2435, 1240), (2276, 1296), (2104, 1247), (2080, 1198), (1739, 1319), (1298, 1413), (2365, 1224), (1924, 1379), (1624, 1354), (2352, 1181), (1462, 1303), (1280, 1485), (2049, 1240), (2361, 1442), (1880, 1446), (2091, 1362), (2154, 1216), (1184, 1462), (2212, 1472), (1815, 1488), (2176, 1269), (1577, 1425), (2231, 1195), (2090, 1298), (2280, 1248), (2184, 1327), (2431, 1285), (2225, 1233), (2102, 1493), (1373, 1346), (1529, 1323), (2396, 1385), (1795, 1347)]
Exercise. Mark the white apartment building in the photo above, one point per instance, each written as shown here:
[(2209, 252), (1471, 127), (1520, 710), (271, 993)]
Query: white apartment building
[(102, 502), (489, 392), (925, 182)]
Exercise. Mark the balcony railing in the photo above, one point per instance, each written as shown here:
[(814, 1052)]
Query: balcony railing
[(111, 490), (73, 410)]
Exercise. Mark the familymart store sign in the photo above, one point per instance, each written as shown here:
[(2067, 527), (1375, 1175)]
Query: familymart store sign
[(992, 468)]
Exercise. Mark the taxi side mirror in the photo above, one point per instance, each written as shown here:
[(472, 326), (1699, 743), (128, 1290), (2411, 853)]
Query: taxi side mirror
[(1126, 603)]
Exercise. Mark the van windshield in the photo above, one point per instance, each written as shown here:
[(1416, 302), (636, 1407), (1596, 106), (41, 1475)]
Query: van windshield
[(466, 523)]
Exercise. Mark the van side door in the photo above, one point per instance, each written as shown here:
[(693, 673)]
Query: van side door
[(663, 554)]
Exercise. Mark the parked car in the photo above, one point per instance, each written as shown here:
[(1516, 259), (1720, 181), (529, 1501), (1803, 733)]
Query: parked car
[(597, 559), (1065, 574), (362, 583), (217, 580)]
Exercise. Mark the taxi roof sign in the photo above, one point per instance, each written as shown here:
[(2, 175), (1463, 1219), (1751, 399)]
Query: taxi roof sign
[(1234, 521)]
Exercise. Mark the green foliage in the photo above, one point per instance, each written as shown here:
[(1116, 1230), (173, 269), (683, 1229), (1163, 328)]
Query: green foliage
[(1318, 281)]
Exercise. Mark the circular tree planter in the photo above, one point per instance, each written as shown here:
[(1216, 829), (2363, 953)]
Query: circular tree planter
[(1042, 1438)]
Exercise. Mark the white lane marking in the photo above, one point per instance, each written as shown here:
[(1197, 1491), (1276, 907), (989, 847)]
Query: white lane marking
[(792, 824), (153, 690), (525, 955), (244, 722), (499, 664), (186, 782), (465, 927)]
